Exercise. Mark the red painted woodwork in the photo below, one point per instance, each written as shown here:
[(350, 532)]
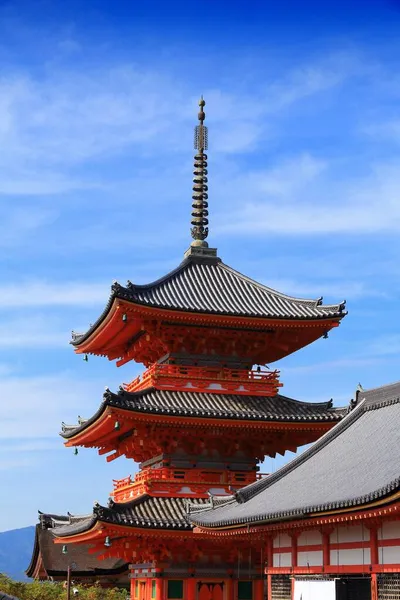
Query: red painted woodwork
[(142, 436), (374, 545), (168, 481), (374, 586), (205, 379), (146, 334), (326, 547)]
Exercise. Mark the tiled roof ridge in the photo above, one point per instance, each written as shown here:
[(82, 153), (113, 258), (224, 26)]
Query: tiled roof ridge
[(129, 291), (253, 489), (114, 399), (363, 405), (257, 284), (303, 511)]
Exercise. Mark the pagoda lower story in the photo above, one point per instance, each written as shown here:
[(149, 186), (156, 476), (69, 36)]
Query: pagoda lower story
[(192, 445)]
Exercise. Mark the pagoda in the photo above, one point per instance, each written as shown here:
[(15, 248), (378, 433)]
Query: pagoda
[(200, 418)]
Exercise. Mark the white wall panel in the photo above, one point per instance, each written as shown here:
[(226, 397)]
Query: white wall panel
[(282, 540), (311, 559), (354, 533), (389, 555), (284, 559), (309, 538), (389, 530), (357, 556)]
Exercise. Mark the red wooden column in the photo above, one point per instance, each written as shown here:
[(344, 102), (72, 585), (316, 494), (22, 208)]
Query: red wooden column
[(326, 547), (374, 586), (373, 541), (270, 564), (191, 588), (269, 586), (132, 586), (159, 586), (229, 589), (258, 589), (294, 536)]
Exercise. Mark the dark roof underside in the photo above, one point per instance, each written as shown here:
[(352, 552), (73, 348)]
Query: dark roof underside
[(354, 463), (144, 512), (206, 405), (209, 286)]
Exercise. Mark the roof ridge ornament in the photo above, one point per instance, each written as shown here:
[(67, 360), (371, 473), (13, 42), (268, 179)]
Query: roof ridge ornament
[(199, 222)]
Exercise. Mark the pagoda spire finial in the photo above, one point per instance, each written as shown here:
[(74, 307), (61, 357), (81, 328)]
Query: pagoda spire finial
[(199, 221)]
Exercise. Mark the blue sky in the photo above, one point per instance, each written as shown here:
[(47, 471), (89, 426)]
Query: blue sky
[(97, 108)]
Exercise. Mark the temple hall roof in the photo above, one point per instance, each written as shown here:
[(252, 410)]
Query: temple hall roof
[(143, 512), (55, 562), (355, 463), (209, 405), (207, 285)]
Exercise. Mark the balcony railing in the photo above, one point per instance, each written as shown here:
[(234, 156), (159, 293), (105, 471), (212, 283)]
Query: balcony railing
[(213, 379)]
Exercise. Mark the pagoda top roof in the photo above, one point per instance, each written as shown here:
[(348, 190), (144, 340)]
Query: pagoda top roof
[(204, 284), (144, 512), (55, 562), (208, 405), (329, 476)]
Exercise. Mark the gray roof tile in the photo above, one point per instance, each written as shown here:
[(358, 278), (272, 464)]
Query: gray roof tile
[(355, 462), (145, 511), (210, 286), (226, 406)]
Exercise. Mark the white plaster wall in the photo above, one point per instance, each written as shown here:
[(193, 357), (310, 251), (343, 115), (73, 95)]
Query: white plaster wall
[(312, 559), (389, 530), (350, 533), (389, 555), (309, 538), (357, 556), (284, 559), (282, 540)]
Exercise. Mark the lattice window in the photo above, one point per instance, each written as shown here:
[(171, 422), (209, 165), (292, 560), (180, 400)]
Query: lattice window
[(389, 586), (281, 587)]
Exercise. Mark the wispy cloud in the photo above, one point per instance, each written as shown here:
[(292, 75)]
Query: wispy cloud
[(41, 293), (36, 406), (364, 205)]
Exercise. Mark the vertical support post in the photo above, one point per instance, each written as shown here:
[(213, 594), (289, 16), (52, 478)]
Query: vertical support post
[(373, 540), (292, 581), (69, 582), (159, 588), (191, 587), (374, 586), (270, 553), (132, 587), (269, 586), (326, 548), (229, 588), (294, 537), (258, 589)]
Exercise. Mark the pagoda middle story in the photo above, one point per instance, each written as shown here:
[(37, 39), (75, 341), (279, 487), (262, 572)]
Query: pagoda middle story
[(200, 419)]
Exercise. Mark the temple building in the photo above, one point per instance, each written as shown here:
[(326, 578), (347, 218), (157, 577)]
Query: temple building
[(199, 420), (49, 564), (327, 523)]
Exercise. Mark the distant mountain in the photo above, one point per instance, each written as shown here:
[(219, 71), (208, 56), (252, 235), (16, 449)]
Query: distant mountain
[(16, 548)]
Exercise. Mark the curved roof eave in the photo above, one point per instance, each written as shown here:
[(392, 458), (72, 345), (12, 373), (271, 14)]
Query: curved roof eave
[(132, 293), (110, 399)]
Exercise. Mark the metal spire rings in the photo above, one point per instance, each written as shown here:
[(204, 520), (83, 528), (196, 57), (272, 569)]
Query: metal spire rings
[(199, 221)]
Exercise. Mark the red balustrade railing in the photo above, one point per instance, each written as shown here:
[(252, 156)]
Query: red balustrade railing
[(178, 376)]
